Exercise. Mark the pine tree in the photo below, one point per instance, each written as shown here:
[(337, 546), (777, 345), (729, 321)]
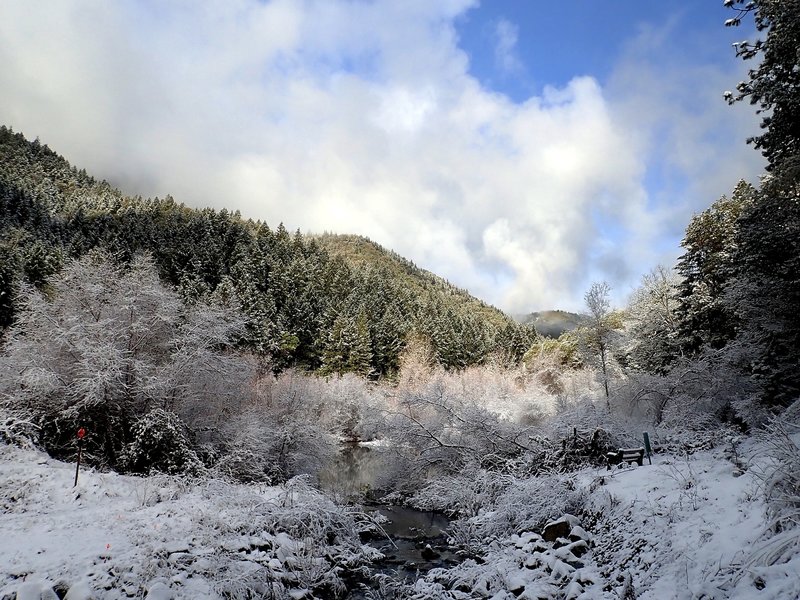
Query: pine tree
[(766, 291), (8, 285), (774, 84), (359, 359), (706, 268), (766, 295)]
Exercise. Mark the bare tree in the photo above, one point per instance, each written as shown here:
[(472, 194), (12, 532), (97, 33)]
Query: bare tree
[(600, 331)]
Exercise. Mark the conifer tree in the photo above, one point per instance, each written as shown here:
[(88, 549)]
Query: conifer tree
[(706, 267)]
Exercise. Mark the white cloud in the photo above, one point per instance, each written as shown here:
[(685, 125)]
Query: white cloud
[(360, 118), (693, 142), (505, 50)]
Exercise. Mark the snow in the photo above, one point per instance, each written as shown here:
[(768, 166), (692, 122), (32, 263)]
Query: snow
[(376, 443), (679, 529), (116, 536), (676, 523), (683, 528)]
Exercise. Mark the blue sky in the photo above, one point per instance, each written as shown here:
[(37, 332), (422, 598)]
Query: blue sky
[(556, 41), (520, 149)]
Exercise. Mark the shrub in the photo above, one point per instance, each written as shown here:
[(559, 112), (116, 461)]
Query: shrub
[(161, 443), (17, 430)]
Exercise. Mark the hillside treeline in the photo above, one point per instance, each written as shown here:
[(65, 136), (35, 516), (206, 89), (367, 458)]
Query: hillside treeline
[(318, 304)]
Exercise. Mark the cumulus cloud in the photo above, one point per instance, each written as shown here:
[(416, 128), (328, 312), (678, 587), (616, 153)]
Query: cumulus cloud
[(360, 118)]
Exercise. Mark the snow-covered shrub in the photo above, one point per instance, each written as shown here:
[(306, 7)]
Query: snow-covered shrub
[(281, 434), (247, 453), (528, 504), (350, 405), (465, 494), (298, 539), (438, 426), (108, 343), (494, 506), (549, 363), (584, 414), (17, 429), (161, 443), (777, 464), (583, 434), (781, 476)]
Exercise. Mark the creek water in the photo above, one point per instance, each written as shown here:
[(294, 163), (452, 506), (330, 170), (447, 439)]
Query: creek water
[(415, 540), (412, 541)]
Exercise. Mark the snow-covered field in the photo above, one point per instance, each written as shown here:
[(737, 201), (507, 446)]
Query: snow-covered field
[(115, 536), (688, 528), (683, 528)]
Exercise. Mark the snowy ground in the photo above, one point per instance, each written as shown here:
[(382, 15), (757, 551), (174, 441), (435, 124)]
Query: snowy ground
[(680, 529), (688, 528), (119, 537)]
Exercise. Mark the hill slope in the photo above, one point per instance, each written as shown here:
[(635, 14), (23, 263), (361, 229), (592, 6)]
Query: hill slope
[(552, 323), (330, 303)]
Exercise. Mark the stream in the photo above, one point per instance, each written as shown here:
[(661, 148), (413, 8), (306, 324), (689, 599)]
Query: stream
[(415, 540)]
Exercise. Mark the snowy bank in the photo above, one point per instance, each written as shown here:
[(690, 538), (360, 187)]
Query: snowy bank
[(116, 536)]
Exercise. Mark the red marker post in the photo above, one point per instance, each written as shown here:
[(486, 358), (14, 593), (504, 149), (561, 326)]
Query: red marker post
[(81, 434)]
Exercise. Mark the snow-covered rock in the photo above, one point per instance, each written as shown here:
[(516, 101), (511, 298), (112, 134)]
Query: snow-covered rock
[(556, 529)]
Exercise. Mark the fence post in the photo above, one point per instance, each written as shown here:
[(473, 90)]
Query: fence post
[(647, 447), (81, 433)]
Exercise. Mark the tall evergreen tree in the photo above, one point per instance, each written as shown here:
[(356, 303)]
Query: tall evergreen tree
[(706, 267), (766, 293), (774, 84)]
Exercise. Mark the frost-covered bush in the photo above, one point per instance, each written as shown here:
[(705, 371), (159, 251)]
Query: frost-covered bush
[(549, 363), (281, 434), (465, 494), (160, 443), (298, 538), (247, 455), (17, 429), (781, 476), (108, 343), (243, 462), (528, 504), (492, 506), (698, 393), (350, 405), (777, 463), (442, 424)]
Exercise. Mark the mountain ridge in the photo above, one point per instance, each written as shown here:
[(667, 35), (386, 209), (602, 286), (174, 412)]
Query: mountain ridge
[(553, 323)]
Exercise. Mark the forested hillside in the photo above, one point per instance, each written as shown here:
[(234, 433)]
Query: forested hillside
[(332, 303)]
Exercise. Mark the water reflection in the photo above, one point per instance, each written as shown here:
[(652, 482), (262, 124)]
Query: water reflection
[(412, 540), (355, 472)]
